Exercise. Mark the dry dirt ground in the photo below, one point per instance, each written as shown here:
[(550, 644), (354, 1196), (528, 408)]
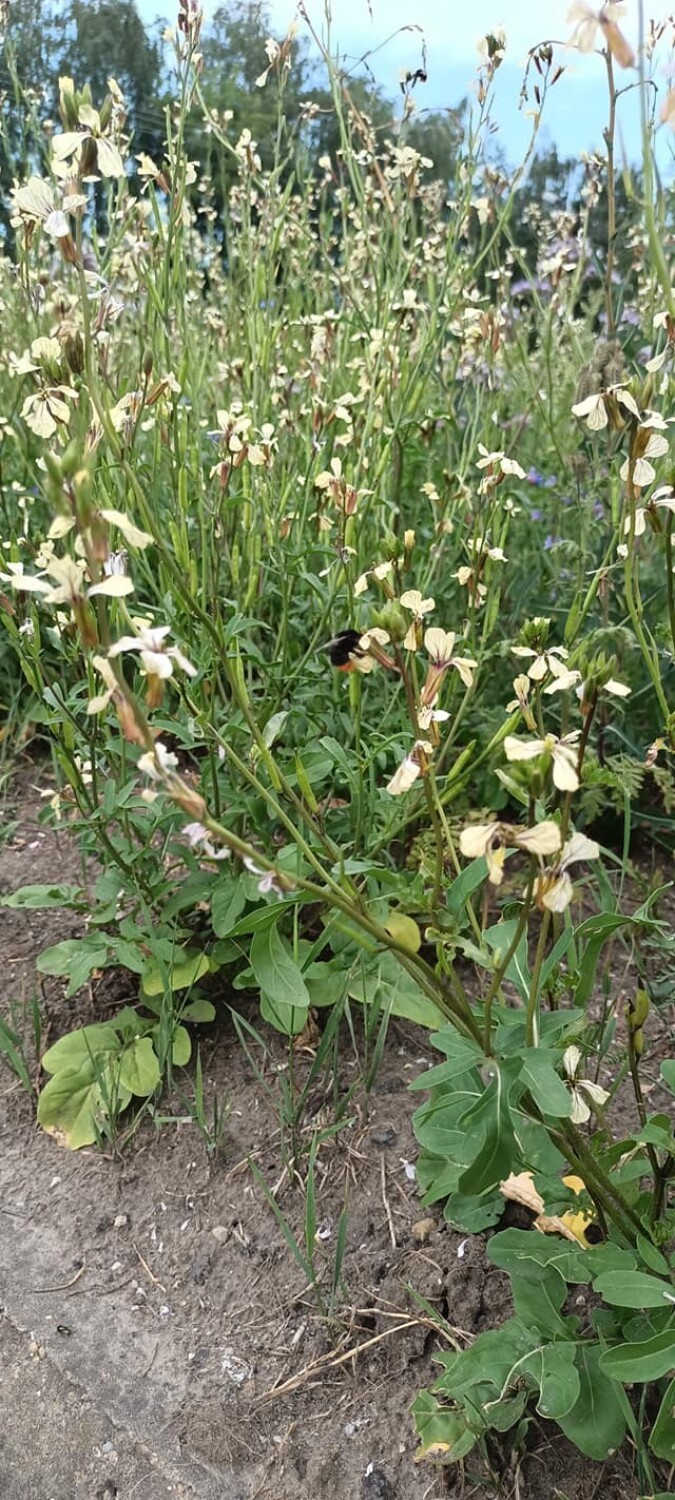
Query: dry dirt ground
[(157, 1337)]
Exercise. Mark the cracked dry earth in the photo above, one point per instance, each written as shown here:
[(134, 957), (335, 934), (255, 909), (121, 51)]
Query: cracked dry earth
[(158, 1339)]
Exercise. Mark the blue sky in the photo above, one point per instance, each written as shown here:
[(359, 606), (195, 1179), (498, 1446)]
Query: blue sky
[(392, 33)]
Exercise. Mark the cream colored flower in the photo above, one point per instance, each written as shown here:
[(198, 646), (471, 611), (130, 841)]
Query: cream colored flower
[(412, 600), (593, 411), (541, 661), (71, 144), (440, 648), (582, 1090), (493, 839), (563, 753)]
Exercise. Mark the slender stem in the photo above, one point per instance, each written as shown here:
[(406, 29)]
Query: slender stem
[(611, 195)]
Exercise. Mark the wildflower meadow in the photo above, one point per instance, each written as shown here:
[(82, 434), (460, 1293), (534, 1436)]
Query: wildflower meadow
[(337, 623)]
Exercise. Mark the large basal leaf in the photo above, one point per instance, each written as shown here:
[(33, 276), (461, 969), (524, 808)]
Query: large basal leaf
[(139, 1068), (227, 904), (494, 1160), (40, 897), (634, 1289), (520, 1252), (552, 1368), (72, 1104), (80, 1047), (538, 1074), (288, 1019), (596, 1423), (444, 1434)]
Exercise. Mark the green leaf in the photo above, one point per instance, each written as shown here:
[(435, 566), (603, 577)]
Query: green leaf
[(277, 974), (81, 1046), (652, 1257), (198, 1010), (537, 1300), (596, 1423), (553, 1369), (500, 938), (463, 886), (465, 1056), (555, 957), (325, 985), (634, 1289), (181, 1047), (648, 1360), (227, 904), (444, 1434), (76, 957), (668, 1073), (662, 1436), (539, 1075), (181, 975), (73, 1105), (518, 1250), (495, 1158), (40, 897), (288, 1019), (139, 1068)]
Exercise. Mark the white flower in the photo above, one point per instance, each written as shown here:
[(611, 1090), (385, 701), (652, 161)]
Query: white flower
[(542, 661), (158, 763), (581, 1089), (562, 751), (554, 889), (197, 835), (588, 22), (157, 659)]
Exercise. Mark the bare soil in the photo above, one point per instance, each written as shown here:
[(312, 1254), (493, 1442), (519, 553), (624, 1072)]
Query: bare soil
[(157, 1283)]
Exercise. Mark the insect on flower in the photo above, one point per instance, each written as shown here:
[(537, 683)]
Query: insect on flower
[(352, 651)]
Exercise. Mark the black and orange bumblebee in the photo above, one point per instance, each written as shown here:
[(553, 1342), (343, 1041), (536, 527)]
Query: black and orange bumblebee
[(357, 651)]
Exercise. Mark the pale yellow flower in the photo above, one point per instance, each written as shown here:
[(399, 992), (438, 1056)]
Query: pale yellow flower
[(582, 1090), (554, 889)]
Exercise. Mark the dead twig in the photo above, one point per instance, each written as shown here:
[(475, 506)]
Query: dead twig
[(41, 1291), (147, 1270), (387, 1209)]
